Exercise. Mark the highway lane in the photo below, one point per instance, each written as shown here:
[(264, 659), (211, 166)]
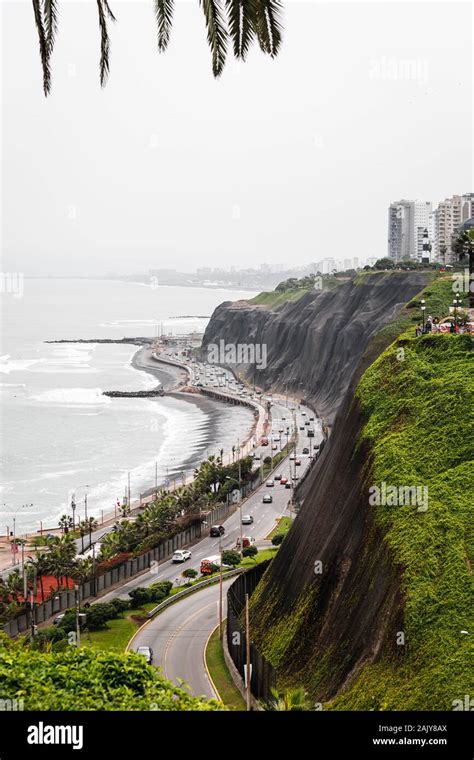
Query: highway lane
[(178, 635), (178, 638), (264, 515)]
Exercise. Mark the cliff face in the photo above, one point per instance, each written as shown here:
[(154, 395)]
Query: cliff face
[(314, 344), (363, 605)]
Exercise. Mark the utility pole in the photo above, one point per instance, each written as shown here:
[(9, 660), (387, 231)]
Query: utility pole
[(156, 480), (73, 508), (247, 643), (85, 505), (128, 490), (221, 628), (78, 624)]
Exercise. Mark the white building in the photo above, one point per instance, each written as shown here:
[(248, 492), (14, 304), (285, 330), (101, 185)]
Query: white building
[(445, 221), (407, 221)]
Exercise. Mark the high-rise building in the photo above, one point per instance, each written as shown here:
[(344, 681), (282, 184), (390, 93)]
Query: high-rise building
[(446, 220), (407, 221)]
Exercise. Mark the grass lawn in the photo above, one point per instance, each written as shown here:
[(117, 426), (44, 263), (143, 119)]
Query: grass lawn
[(274, 298), (114, 638), (283, 526), (228, 692)]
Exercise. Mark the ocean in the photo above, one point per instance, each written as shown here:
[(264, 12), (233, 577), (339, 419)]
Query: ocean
[(59, 434)]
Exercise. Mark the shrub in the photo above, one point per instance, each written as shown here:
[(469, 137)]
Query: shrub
[(250, 551), (139, 596), (120, 605), (277, 539), (98, 615), (190, 572), (230, 557)]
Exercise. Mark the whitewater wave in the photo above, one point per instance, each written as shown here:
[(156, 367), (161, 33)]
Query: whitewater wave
[(7, 364)]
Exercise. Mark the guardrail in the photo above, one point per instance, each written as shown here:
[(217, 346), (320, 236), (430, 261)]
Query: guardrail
[(188, 591)]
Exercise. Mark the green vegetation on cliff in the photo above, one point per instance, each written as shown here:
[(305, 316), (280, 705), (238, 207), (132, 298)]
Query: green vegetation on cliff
[(417, 407), (415, 429)]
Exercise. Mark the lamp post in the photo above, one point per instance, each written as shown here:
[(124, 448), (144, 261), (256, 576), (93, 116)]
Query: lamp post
[(73, 508), (240, 512), (423, 308), (456, 303)]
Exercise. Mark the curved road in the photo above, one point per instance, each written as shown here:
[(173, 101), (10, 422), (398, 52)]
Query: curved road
[(178, 635)]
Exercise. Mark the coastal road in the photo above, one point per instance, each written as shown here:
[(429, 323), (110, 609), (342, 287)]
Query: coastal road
[(264, 515), (178, 635)]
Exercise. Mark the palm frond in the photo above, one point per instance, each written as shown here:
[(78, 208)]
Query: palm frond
[(164, 17), (242, 25), (50, 17), (104, 42), (268, 26), (44, 55), (108, 11), (216, 34)]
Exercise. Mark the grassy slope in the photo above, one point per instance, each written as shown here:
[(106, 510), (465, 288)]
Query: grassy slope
[(275, 299), (228, 691), (417, 410), (417, 423)]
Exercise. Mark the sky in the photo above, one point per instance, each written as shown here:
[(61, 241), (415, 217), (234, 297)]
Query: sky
[(283, 161)]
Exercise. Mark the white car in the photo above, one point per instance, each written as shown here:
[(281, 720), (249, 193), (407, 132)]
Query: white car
[(247, 519), (270, 483), (181, 555), (146, 652)]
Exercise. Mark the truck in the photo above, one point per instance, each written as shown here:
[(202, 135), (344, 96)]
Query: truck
[(208, 562), (310, 433)]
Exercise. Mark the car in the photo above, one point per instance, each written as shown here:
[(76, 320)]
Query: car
[(274, 447), (316, 447), (58, 618), (303, 414), (247, 520), (257, 457), (305, 450), (267, 499), (301, 427), (278, 476), (288, 485), (270, 483), (281, 430), (217, 531), (283, 481), (146, 652), (295, 477), (311, 419), (292, 457), (297, 462), (307, 422), (181, 555)]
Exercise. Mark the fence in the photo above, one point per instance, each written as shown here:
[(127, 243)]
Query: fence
[(64, 600), (263, 677)]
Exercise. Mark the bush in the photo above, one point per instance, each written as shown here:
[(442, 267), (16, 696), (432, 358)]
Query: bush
[(158, 591), (120, 605), (277, 539), (46, 638), (190, 573), (139, 596), (230, 557), (68, 622), (98, 615), (267, 460), (250, 551)]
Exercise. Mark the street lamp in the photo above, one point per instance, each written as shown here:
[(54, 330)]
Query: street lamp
[(423, 307), (73, 507), (228, 477), (456, 303)]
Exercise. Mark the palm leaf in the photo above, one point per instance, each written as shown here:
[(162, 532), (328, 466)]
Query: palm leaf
[(104, 41), (164, 17), (50, 16), (216, 34), (44, 55), (242, 24), (268, 25)]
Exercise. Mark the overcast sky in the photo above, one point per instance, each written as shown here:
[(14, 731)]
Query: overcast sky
[(284, 161)]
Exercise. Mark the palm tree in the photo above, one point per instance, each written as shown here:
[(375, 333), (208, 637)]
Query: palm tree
[(463, 247), (293, 700), (40, 565), (240, 22), (65, 523)]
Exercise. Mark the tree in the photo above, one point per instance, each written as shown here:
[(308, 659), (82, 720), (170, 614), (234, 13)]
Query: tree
[(277, 539), (65, 523), (384, 263), (239, 22), (190, 573), (250, 551), (293, 700), (230, 557), (462, 246)]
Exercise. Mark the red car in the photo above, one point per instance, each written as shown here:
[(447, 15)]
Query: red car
[(283, 481)]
